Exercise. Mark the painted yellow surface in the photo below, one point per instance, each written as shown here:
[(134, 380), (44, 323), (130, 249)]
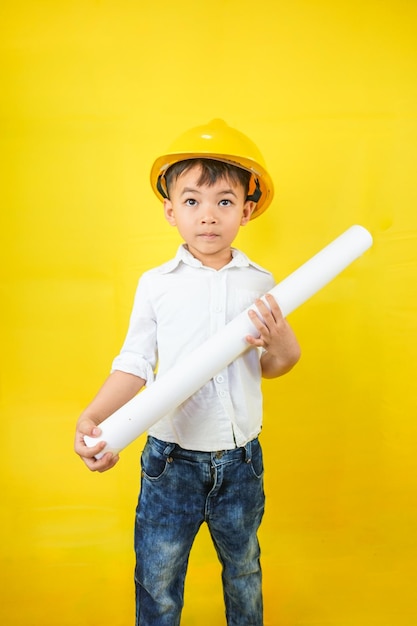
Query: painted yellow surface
[(92, 92)]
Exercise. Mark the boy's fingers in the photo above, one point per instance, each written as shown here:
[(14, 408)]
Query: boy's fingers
[(83, 450), (101, 465), (92, 451), (86, 427)]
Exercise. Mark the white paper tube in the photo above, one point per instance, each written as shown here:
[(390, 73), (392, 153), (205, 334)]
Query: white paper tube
[(198, 367)]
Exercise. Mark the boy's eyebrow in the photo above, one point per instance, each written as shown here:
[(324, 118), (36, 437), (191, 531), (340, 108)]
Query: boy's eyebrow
[(227, 191), (190, 189), (221, 192)]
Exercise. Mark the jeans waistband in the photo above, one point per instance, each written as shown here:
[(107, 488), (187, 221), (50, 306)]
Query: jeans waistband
[(175, 451)]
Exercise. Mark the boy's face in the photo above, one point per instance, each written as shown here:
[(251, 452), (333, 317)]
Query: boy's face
[(207, 217)]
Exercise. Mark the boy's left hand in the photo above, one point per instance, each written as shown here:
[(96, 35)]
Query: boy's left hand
[(282, 350)]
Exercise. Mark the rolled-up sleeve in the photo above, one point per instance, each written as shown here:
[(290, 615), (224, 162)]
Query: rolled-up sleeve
[(139, 353)]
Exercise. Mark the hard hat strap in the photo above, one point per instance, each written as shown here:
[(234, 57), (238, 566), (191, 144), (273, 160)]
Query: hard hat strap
[(160, 188), (256, 195)]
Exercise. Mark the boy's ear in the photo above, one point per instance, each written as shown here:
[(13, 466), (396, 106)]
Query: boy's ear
[(248, 209), (169, 212)]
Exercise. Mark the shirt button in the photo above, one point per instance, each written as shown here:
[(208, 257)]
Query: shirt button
[(220, 378), (222, 394)]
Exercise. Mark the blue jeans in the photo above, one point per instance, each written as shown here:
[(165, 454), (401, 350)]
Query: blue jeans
[(181, 489)]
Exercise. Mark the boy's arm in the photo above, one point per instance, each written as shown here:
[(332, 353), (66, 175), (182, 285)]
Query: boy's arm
[(282, 350), (118, 389)]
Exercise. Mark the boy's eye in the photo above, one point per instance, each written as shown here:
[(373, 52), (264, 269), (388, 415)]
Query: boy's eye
[(225, 202), (191, 202)]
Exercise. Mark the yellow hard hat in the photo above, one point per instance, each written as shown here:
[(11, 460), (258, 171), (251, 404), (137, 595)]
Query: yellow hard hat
[(220, 142)]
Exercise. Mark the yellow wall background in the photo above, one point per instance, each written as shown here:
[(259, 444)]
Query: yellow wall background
[(92, 91)]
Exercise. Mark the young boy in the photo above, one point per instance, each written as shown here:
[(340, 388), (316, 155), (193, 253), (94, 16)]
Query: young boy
[(203, 461)]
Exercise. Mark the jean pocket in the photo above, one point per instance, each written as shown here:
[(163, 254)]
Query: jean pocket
[(154, 464), (256, 462)]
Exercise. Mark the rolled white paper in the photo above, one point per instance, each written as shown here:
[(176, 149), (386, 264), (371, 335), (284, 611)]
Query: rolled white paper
[(197, 368)]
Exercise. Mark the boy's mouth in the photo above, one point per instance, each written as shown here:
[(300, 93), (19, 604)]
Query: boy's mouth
[(208, 235)]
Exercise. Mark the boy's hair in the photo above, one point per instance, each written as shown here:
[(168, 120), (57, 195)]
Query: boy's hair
[(211, 171)]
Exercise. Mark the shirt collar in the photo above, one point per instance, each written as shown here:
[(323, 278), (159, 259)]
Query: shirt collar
[(239, 259)]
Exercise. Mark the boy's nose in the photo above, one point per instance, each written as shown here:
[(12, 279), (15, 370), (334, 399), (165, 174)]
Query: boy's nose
[(208, 217)]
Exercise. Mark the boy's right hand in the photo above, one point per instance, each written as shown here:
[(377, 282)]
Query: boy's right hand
[(86, 426)]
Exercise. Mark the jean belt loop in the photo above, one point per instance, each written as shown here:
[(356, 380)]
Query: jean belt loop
[(169, 448)]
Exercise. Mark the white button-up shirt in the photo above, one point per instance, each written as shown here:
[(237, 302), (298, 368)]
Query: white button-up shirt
[(177, 307)]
